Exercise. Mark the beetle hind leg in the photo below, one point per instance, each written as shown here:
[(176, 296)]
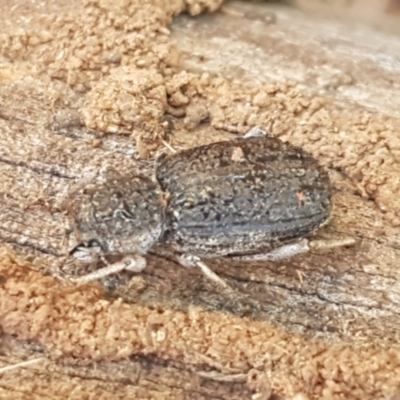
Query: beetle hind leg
[(302, 246), (285, 251)]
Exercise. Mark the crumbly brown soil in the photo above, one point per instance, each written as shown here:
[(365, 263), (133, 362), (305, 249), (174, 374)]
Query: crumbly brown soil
[(95, 84)]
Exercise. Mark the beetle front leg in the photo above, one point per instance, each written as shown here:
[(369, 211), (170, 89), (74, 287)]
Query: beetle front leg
[(91, 255), (131, 262)]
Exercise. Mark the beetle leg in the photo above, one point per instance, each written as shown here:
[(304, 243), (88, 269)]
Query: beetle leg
[(190, 260), (303, 246), (286, 251), (131, 262), (256, 132), (331, 243)]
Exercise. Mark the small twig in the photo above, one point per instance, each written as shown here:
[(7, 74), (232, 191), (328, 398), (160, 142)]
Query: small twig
[(21, 364), (220, 377)]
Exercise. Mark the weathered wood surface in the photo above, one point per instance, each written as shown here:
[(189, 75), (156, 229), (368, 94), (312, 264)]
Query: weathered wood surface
[(39, 168), (348, 297)]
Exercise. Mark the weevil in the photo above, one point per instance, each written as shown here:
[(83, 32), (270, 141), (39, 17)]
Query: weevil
[(252, 198)]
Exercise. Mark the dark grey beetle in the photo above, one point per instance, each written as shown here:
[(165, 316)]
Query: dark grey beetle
[(251, 198)]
